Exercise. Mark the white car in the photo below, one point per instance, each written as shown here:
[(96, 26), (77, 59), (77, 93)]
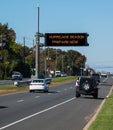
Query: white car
[(38, 85)]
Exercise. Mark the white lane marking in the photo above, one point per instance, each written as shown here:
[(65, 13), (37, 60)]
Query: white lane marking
[(71, 88), (28, 117), (49, 94), (37, 96), (20, 100), (58, 91), (104, 79)]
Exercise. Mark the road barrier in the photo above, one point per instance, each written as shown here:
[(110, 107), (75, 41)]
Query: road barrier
[(20, 83)]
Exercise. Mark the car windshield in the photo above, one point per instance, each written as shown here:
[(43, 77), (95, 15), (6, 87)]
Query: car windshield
[(16, 73)]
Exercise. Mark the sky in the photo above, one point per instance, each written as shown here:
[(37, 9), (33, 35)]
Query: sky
[(94, 17)]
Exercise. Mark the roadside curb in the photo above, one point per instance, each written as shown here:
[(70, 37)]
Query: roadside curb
[(98, 110)]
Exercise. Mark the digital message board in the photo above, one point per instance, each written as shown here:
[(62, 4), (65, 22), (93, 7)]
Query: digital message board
[(66, 39)]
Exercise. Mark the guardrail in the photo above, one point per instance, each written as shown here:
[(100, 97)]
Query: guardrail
[(4, 82), (20, 83)]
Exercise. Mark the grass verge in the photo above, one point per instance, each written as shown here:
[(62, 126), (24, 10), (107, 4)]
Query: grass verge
[(6, 89), (104, 120), (60, 80)]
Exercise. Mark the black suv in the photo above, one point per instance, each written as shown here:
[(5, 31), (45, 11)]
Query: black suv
[(86, 86)]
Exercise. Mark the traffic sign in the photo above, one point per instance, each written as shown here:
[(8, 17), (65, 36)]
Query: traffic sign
[(66, 39)]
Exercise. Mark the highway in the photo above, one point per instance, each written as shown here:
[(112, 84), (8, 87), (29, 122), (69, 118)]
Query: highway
[(56, 110)]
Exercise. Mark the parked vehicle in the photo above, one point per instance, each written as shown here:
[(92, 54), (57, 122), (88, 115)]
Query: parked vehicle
[(17, 75), (38, 85), (58, 73), (104, 75), (86, 86), (63, 74)]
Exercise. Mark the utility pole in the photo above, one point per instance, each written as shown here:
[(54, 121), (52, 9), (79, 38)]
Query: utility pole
[(33, 60), (37, 49), (24, 48), (56, 61), (62, 63)]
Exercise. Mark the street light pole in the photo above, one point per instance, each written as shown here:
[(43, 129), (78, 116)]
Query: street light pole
[(56, 61), (62, 63), (24, 49), (37, 49)]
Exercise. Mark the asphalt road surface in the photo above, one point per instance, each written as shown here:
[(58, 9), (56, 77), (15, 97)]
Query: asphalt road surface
[(57, 110)]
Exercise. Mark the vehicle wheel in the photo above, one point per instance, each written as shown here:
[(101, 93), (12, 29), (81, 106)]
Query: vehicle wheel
[(46, 91), (95, 95), (77, 94), (30, 91)]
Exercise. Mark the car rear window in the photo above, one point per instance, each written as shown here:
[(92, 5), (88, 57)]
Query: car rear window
[(38, 81)]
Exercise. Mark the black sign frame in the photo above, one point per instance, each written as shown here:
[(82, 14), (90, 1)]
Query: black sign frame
[(66, 39)]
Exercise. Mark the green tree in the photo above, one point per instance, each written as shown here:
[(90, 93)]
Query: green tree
[(12, 54), (68, 62)]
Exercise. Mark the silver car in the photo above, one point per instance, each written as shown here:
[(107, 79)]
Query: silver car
[(17, 75)]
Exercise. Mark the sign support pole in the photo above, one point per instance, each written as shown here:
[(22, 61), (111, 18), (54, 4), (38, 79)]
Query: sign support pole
[(37, 49)]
